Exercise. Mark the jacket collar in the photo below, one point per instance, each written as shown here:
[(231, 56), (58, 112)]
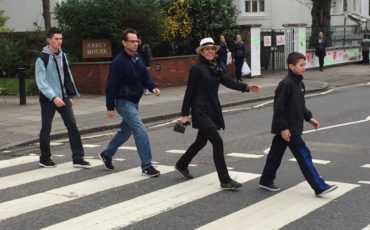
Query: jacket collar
[(295, 77)]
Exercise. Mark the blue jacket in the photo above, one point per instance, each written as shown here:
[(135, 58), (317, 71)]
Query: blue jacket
[(49, 80), (127, 77)]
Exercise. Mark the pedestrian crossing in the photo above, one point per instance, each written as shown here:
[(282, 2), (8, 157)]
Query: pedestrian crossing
[(277, 209)]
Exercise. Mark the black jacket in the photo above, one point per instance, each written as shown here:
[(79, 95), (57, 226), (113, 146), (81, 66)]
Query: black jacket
[(320, 48), (222, 52), (238, 50), (201, 95), (289, 105), (127, 77)]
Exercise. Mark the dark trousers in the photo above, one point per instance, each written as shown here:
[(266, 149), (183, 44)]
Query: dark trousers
[(365, 57), (223, 66), (47, 114), (214, 137), (238, 67), (303, 157), (321, 62)]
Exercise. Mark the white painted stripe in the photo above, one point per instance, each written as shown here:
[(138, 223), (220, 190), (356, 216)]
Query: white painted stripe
[(193, 165), (316, 161), (142, 207), (74, 191), (55, 143), (364, 182), (367, 227), (366, 166), (7, 151), (237, 109), (266, 151), (118, 159), (164, 124), (18, 161), (263, 104), (176, 151), (127, 148), (90, 146), (245, 155), (230, 168), (40, 174), (278, 210), (338, 125)]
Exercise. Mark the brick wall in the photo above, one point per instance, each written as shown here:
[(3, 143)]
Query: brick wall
[(91, 77)]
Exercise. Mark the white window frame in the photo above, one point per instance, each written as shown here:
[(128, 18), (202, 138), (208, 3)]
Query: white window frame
[(258, 13)]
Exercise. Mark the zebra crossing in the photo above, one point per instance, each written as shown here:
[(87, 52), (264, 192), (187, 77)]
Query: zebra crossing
[(276, 210)]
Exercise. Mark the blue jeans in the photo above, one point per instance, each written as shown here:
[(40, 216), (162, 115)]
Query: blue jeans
[(131, 124)]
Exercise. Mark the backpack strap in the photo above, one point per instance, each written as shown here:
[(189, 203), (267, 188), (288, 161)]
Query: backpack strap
[(45, 58)]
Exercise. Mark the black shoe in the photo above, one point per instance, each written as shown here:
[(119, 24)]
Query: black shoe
[(184, 172), (271, 187), (231, 185), (81, 164), (330, 188), (151, 172), (107, 162), (49, 163)]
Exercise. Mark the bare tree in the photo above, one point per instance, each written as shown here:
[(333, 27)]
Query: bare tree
[(320, 20), (46, 13)]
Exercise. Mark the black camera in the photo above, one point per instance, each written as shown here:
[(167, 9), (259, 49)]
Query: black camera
[(180, 127)]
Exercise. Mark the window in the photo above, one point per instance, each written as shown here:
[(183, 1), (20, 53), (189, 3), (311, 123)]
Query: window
[(254, 6)]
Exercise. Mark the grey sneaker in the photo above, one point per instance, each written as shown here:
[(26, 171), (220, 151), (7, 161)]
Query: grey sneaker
[(81, 164), (107, 161), (49, 163), (184, 172), (231, 185), (270, 187), (327, 190), (151, 172)]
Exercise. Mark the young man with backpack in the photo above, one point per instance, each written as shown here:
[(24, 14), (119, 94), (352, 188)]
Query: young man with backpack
[(55, 82)]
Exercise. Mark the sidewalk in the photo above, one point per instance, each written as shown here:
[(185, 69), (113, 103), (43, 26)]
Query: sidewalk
[(20, 125)]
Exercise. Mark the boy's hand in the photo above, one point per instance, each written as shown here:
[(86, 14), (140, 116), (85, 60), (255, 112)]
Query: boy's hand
[(156, 91), (315, 123), (254, 88), (111, 113), (285, 134)]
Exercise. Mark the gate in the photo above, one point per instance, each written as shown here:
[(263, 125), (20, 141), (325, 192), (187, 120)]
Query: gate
[(272, 53)]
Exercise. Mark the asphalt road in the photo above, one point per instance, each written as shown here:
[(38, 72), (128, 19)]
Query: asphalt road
[(60, 198)]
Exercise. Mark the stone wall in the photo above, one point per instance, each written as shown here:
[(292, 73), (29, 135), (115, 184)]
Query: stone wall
[(91, 77)]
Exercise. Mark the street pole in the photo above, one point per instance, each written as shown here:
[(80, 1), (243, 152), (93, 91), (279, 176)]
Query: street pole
[(22, 85)]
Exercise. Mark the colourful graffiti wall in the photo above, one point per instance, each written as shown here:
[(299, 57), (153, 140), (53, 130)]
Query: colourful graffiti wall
[(335, 56)]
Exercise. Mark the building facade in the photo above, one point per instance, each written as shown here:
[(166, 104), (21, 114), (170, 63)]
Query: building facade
[(272, 14)]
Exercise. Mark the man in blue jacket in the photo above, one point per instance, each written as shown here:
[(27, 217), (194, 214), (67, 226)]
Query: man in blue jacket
[(127, 77), (55, 82)]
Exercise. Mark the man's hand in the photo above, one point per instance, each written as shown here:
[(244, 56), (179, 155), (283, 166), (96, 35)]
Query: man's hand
[(285, 134), (156, 91), (254, 88), (111, 113), (59, 102), (315, 123), (71, 101)]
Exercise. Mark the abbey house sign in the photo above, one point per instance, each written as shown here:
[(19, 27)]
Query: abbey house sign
[(96, 48)]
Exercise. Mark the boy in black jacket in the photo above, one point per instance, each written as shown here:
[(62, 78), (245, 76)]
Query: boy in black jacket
[(287, 125)]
